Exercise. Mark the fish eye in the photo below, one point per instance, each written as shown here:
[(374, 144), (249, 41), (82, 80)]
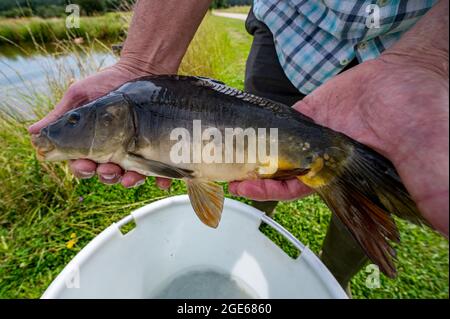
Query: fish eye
[(73, 118)]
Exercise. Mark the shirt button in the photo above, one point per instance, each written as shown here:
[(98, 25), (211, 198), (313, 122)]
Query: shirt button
[(382, 3), (344, 61), (362, 46)]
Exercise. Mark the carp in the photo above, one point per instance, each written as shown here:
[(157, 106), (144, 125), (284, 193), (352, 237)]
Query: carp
[(162, 126)]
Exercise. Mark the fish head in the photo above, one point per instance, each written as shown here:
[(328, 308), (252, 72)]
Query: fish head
[(95, 130), (68, 137)]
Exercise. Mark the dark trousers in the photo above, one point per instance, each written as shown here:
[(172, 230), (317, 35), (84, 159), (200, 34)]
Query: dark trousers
[(265, 77)]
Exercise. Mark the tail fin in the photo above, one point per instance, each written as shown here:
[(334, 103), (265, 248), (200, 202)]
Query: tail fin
[(363, 193)]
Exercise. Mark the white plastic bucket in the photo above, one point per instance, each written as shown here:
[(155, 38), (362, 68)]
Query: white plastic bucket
[(171, 254)]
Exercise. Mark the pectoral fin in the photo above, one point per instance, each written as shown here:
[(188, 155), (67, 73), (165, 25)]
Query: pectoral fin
[(151, 167), (206, 200), (289, 174)]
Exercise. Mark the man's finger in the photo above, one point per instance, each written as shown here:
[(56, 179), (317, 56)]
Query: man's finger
[(109, 173), (73, 98), (132, 179), (163, 183), (267, 189), (307, 107), (49, 118), (83, 168)]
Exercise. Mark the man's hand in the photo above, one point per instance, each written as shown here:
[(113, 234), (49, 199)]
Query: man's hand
[(396, 104)]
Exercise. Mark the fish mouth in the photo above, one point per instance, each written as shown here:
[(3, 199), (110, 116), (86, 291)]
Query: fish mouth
[(42, 144)]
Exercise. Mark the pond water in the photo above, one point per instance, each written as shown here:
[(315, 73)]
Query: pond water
[(23, 73)]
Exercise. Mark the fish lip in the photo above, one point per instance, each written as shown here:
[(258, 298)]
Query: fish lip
[(42, 144)]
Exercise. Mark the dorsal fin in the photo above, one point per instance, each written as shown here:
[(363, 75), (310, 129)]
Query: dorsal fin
[(250, 98), (175, 93), (211, 80)]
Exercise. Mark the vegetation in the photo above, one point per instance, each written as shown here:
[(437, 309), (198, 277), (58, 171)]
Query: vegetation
[(56, 8), (23, 30), (237, 9), (217, 4), (47, 216), (44, 24)]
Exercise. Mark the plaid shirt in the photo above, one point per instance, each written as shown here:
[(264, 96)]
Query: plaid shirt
[(315, 39)]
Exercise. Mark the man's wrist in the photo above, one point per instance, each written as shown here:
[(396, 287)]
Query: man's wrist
[(434, 60), (160, 33), (142, 67), (426, 44)]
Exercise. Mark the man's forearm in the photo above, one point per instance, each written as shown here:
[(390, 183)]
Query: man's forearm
[(160, 33), (427, 41)]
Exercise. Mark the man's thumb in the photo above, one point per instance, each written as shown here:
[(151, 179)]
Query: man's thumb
[(49, 118), (74, 97), (307, 106)]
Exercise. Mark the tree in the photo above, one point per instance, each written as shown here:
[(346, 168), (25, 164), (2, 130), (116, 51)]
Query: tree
[(219, 4), (90, 7)]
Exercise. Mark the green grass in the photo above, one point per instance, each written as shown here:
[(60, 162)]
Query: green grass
[(236, 9), (219, 50), (422, 255), (25, 30), (43, 208)]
